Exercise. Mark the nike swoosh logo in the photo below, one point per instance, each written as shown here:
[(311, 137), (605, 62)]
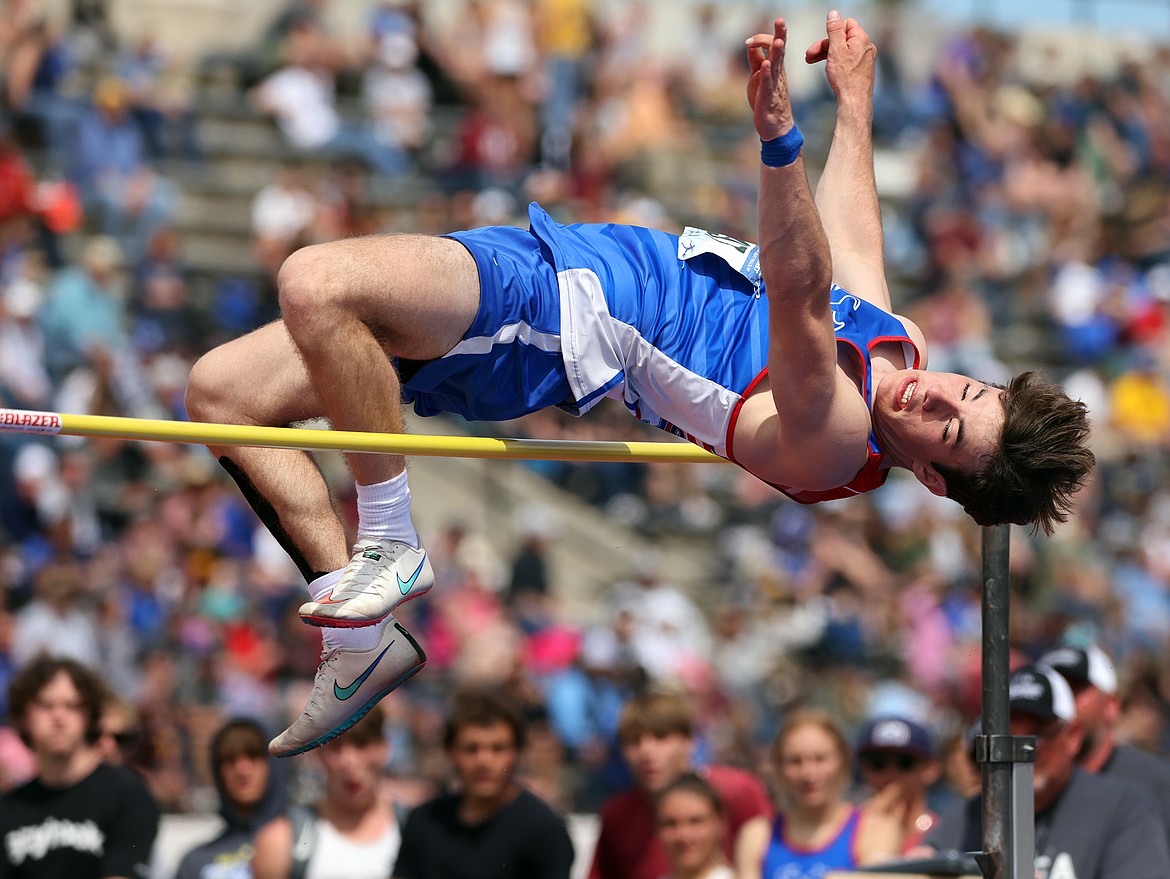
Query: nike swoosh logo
[(405, 586), (344, 693)]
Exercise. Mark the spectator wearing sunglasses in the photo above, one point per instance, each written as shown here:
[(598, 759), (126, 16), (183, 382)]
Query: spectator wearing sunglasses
[(898, 762)]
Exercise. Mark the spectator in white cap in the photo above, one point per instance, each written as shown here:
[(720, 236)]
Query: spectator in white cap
[(1093, 679), (898, 762), (1087, 826)]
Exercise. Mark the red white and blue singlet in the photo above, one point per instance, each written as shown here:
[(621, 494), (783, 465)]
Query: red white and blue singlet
[(674, 326)]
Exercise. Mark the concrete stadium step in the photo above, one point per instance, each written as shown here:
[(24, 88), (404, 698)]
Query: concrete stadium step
[(221, 257), (250, 135)]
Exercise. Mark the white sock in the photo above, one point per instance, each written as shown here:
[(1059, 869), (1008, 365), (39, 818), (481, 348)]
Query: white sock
[(384, 511), (365, 638)]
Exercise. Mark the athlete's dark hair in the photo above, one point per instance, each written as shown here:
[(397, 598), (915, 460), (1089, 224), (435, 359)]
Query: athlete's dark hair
[(691, 783), (34, 677), (1042, 460), (483, 707)]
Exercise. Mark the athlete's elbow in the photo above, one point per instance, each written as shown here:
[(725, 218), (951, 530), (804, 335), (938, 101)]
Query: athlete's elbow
[(799, 279), (798, 269)]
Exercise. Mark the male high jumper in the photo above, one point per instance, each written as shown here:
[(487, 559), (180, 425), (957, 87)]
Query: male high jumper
[(784, 358)]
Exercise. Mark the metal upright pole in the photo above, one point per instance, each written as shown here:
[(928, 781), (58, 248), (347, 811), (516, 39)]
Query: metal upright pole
[(1008, 820)]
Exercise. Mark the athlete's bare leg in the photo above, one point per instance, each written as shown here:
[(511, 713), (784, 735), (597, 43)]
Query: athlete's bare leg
[(259, 379), (350, 303), (347, 306)]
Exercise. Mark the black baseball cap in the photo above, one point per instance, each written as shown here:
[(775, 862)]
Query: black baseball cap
[(1083, 665), (1039, 691), (897, 734)]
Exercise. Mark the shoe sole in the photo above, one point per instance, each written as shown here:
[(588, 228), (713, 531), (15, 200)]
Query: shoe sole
[(368, 706), (337, 623)]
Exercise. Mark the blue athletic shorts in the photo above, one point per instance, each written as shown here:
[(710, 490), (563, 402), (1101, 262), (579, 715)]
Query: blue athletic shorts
[(570, 314)]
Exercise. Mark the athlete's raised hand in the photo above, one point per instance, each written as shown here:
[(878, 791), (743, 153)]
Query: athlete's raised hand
[(767, 89), (850, 57)]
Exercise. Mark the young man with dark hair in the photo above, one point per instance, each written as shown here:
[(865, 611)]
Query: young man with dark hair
[(78, 818), (785, 358), (656, 732), (353, 831), (250, 795), (492, 828), (1086, 826), (1090, 673)]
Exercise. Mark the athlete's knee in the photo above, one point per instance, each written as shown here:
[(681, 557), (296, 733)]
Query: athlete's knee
[(311, 287), (210, 392)]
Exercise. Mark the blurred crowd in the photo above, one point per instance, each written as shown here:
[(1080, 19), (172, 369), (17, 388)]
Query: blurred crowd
[(1029, 229)]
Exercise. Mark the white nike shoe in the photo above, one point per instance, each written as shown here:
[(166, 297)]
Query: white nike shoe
[(348, 684), (381, 575)]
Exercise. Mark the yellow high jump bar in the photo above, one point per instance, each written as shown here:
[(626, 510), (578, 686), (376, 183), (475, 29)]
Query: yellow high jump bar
[(306, 439)]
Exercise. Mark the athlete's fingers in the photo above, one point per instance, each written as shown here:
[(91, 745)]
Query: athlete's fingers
[(757, 49), (835, 28), (817, 52)]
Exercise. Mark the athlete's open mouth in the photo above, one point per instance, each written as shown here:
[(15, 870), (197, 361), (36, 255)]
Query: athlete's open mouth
[(907, 394)]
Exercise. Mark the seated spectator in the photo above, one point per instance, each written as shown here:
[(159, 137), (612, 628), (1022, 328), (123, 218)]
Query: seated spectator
[(492, 828), (120, 732), (17, 185), (1087, 826), (353, 831), (83, 308), (284, 217), (398, 94), (898, 762), (78, 817), (167, 123), (24, 382), (657, 737), (56, 621), (817, 828), (689, 816), (250, 795), (301, 95), (119, 189)]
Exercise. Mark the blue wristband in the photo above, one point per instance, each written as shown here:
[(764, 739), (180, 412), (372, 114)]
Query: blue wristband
[(783, 150)]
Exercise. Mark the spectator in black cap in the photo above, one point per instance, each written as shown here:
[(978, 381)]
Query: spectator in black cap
[(1091, 674), (1087, 826), (898, 762)]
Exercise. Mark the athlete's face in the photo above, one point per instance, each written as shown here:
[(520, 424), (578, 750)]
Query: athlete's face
[(690, 830), (353, 769), (245, 778), (925, 418), (812, 768), (1057, 745), (485, 758), (56, 719), (656, 761)]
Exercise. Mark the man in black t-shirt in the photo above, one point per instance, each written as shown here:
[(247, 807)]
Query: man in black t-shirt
[(493, 828), (1087, 826), (1090, 673), (78, 818)]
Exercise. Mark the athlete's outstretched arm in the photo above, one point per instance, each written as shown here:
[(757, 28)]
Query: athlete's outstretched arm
[(847, 191), (797, 269)]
